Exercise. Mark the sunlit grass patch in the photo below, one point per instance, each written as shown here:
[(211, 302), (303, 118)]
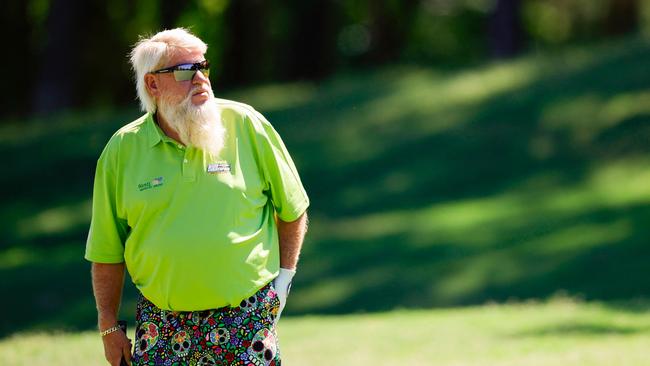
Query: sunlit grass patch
[(557, 332)]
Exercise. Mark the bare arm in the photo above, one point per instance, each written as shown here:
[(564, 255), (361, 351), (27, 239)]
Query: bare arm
[(291, 235), (108, 280)]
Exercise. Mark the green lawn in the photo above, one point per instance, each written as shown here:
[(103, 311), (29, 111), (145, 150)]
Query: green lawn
[(556, 333)]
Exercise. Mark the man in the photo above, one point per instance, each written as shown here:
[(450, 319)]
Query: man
[(201, 202)]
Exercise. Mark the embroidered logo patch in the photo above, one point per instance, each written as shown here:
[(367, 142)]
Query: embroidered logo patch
[(220, 167), (156, 182)]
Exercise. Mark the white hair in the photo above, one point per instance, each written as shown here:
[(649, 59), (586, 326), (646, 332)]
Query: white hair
[(198, 126), (150, 54)]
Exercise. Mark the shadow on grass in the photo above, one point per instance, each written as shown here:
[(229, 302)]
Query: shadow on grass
[(580, 329), (359, 163)]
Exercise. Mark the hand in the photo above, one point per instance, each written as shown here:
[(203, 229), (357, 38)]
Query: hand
[(116, 346), (282, 285)]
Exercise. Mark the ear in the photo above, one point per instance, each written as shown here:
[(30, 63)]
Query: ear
[(152, 85)]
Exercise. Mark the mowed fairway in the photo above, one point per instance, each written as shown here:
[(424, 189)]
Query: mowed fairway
[(558, 332)]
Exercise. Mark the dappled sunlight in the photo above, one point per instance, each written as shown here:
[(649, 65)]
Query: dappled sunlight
[(55, 256), (586, 117), (560, 245), (17, 257), (470, 275), (326, 294), (39, 129), (54, 220), (528, 232), (479, 85), (465, 219), (419, 104), (272, 98), (623, 182)]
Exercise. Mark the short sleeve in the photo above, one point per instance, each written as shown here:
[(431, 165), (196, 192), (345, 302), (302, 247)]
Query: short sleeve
[(281, 176), (108, 231)]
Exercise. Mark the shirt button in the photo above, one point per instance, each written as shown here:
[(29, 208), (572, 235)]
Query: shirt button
[(180, 146), (185, 161)]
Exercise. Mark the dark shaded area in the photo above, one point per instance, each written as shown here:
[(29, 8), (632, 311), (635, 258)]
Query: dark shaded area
[(583, 329), (622, 17)]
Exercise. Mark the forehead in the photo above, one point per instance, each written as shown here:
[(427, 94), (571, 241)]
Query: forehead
[(184, 56)]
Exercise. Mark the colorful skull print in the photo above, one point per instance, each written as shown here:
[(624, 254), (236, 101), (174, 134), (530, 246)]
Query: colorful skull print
[(147, 336), (272, 306), (248, 304), (263, 347), (170, 317), (219, 336), (205, 360), (181, 343)]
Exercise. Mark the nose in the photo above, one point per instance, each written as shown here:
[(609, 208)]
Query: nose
[(200, 78)]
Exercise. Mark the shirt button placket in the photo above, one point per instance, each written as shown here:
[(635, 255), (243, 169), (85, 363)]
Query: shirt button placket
[(188, 172)]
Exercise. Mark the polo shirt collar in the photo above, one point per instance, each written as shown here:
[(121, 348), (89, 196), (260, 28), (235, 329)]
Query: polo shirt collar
[(155, 134)]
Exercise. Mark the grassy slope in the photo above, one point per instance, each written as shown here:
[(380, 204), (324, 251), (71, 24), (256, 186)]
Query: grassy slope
[(429, 188), (560, 332)]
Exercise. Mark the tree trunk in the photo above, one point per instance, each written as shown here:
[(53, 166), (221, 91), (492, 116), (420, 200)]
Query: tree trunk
[(313, 39), (390, 29), (55, 81), (246, 40), (18, 79), (169, 13), (505, 33), (622, 17)]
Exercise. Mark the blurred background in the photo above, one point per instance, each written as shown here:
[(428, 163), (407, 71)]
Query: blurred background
[(456, 152)]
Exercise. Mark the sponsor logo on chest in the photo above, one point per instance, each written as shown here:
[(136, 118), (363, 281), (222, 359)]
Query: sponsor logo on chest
[(156, 182), (219, 167)]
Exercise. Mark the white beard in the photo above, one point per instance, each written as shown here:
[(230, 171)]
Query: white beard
[(198, 126)]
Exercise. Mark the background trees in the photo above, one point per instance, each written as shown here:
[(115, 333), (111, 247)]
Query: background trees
[(67, 54)]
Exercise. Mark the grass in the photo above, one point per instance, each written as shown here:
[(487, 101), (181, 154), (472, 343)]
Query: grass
[(429, 187), (558, 332)]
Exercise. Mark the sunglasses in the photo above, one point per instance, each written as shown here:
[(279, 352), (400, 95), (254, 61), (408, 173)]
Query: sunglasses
[(184, 72)]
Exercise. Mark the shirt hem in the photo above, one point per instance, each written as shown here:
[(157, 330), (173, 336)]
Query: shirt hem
[(296, 212), (102, 259)]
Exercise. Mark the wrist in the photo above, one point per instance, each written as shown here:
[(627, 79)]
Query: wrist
[(285, 275), (282, 282), (109, 330), (107, 322)]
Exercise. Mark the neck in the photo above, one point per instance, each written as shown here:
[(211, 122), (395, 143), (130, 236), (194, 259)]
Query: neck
[(164, 126)]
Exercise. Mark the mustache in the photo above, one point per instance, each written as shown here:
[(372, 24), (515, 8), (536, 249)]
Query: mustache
[(199, 89)]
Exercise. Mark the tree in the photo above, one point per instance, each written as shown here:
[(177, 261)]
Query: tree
[(54, 85), (505, 31), (622, 17)]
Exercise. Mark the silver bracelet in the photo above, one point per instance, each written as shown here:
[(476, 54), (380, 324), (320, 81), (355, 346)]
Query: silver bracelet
[(110, 330)]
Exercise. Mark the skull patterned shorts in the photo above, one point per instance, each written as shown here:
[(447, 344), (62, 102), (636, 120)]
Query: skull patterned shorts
[(242, 335)]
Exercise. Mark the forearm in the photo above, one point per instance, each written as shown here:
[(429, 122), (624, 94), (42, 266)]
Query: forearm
[(108, 280), (291, 235)]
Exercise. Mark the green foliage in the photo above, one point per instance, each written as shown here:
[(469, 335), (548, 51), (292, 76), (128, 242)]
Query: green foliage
[(253, 42), (556, 22)]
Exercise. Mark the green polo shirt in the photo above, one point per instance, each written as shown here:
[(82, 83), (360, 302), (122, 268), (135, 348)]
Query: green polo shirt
[(195, 232)]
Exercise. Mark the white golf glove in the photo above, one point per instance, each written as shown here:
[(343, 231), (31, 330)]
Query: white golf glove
[(282, 285)]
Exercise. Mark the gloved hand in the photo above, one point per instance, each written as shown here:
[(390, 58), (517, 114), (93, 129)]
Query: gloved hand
[(282, 285)]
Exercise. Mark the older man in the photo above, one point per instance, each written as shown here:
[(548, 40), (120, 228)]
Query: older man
[(201, 202)]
